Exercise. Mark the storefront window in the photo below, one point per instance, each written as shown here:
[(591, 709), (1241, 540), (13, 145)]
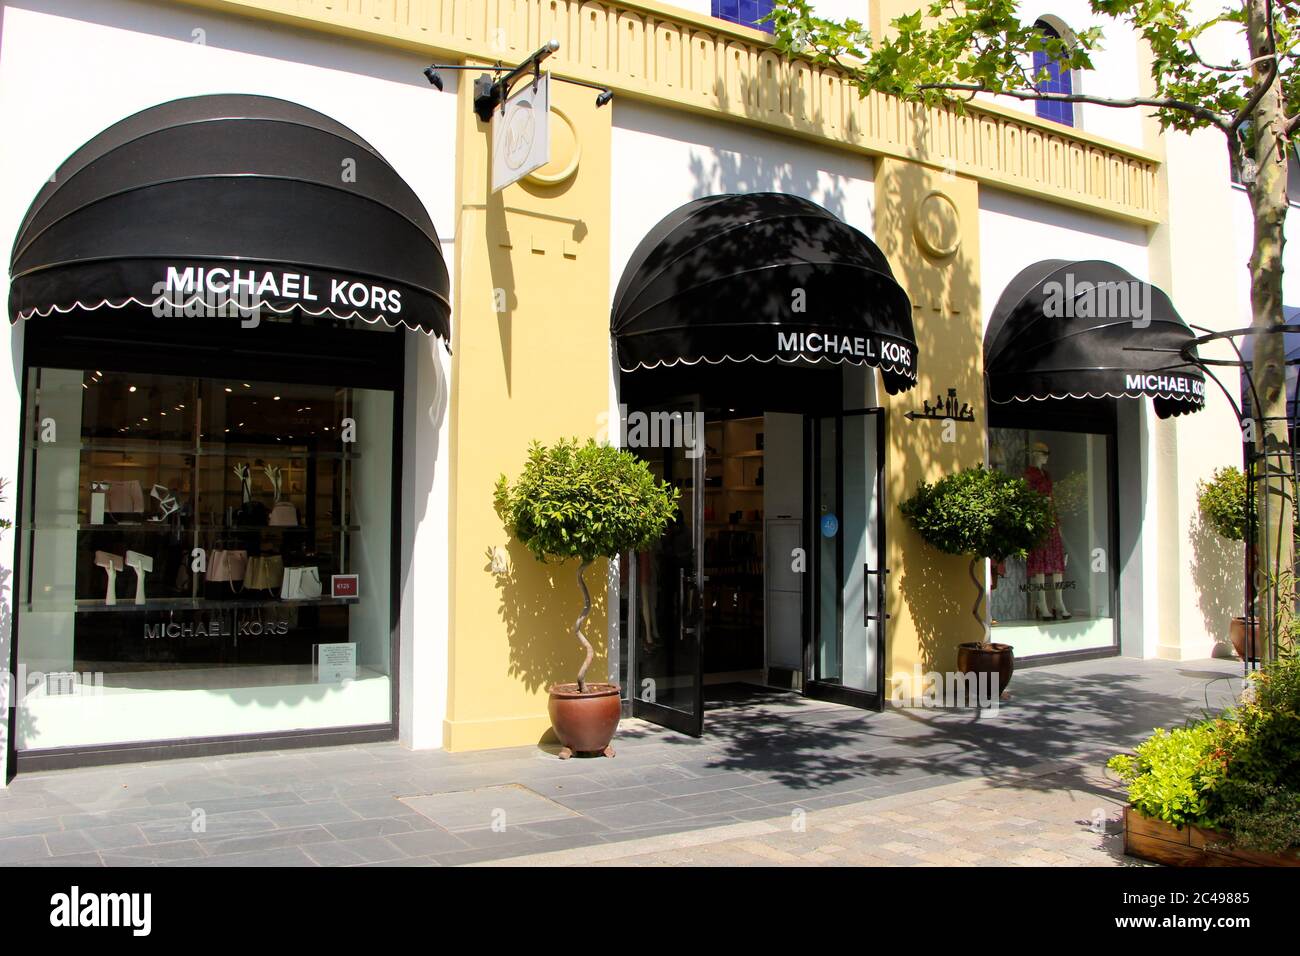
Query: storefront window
[(201, 557), (1058, 599)]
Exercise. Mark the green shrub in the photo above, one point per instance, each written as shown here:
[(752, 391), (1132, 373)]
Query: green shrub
[(584, 501), (1222, 501), (1258, 799), (1239, 773), (1170, 775), (980, 512), (1259, 817)]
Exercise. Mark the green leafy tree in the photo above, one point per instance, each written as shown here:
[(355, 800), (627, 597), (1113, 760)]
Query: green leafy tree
[(945, 51), (1222, 501), (586, 502), (982, 513)]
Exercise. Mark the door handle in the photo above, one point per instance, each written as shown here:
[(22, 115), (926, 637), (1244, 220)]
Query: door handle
[(688, 603)]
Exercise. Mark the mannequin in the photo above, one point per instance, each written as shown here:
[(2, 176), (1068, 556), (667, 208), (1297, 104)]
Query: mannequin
[(1048, 559)]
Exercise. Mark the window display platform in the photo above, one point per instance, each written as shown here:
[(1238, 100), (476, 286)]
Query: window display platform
[(1030, 639), (184, 703)]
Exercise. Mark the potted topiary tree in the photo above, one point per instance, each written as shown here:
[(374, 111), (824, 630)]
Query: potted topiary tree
[(984, 514), (585, 502), (1222, 503)]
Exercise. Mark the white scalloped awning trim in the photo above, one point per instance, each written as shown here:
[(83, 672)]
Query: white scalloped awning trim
[(671, 363), (24, 314), (1062, 395)]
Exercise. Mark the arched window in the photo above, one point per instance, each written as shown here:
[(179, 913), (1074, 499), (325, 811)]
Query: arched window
[(1058, 80), (745, 12)]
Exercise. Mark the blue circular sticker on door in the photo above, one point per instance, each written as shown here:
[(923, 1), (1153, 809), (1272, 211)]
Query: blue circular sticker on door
[(830, 525)]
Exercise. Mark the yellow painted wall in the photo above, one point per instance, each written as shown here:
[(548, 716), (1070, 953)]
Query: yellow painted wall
[(538, 370), (927, 223)]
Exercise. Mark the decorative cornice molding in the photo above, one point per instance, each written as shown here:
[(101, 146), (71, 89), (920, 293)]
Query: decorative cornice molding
[(681, 60)]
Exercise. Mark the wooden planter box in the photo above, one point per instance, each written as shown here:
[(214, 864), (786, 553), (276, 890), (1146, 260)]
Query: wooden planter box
[(1160, 842)]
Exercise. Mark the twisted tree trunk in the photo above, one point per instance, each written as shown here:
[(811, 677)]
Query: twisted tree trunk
[(577, 628), (979, 597)]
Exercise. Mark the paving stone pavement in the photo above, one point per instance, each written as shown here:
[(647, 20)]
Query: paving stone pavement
[(1070, 817), (1004, 788)]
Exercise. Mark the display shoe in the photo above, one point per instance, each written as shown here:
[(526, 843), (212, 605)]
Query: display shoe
[(167, 503)]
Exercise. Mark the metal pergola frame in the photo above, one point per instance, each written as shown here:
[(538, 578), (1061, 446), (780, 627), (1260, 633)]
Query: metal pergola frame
[(1261, 464)]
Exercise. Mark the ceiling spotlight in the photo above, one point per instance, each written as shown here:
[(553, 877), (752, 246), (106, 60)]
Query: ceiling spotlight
[(604, 97), (433, 76)]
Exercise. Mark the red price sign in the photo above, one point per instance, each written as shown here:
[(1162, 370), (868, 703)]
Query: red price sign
[(344, 585)]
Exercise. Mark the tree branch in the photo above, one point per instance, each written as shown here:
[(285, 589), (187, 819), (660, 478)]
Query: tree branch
[(1194, 109), (1234, 66)]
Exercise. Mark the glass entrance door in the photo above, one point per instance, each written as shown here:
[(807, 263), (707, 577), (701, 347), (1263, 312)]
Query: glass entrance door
[(666, 683), (845, 639)]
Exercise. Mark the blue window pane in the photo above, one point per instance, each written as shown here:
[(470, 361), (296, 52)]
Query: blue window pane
[(1057, 81), (745, 12)]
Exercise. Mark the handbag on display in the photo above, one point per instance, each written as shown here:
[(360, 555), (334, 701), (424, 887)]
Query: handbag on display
[(264, 573), (111, 563), (125, 497), (143, 564), (283, 515), (228, 566), (301, 584)]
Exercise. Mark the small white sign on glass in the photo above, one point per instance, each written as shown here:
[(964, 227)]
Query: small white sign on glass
[(334, 663), (521, 136)]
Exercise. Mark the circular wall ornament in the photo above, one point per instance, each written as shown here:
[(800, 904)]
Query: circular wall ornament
[(566, 151), (936, 225)]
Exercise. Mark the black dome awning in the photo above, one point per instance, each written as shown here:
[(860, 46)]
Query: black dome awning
[(214, 201), (762, 277), (1089, 329)]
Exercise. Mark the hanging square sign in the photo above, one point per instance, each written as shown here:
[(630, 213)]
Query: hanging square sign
[(521, 140)]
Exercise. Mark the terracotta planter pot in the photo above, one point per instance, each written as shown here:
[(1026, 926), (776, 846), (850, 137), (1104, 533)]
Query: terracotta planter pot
[(584, 721), (976, 658), (1244, 636)]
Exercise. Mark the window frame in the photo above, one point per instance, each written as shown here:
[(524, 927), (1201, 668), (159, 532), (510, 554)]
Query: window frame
[(295, 352)]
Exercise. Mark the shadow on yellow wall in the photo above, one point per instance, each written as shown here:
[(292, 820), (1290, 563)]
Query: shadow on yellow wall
[(539, 604), (927, 223)]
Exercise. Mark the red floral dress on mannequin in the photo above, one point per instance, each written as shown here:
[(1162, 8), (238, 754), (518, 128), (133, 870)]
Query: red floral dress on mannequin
[(1049, 557)]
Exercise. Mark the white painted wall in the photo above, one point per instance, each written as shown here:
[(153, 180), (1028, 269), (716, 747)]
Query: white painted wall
[(70, 68), (1016, 231), (686, 158), (1201, 257)]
